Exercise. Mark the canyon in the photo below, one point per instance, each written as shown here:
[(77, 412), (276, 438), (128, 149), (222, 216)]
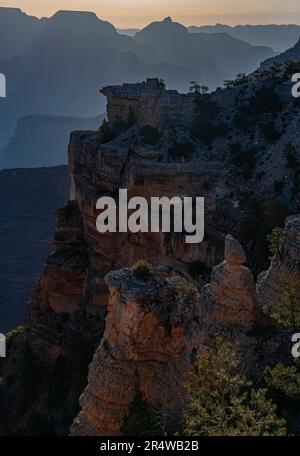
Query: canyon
[(28, 198), (41, 140), (95, 330)]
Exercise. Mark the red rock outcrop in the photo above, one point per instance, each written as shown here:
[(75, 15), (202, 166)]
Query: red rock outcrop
[(147, 346), (155, 328), (231, 296), (154, 331), (58, 315)]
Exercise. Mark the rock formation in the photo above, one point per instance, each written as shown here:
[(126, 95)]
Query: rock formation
[(231, 295), (284, 270), (58, 316), (154, 331), (154, 328), (148, 102), (146, 347)]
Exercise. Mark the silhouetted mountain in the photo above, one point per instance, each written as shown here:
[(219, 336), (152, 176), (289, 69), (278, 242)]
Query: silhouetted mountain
[(42, 140), (219, 56), (74, 55), (17, 32), (69, 56), (278, 37)]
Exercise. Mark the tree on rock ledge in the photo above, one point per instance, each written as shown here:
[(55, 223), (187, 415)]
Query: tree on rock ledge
[(222, 402)]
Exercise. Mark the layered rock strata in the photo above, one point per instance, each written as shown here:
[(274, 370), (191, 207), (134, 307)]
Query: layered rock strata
[(155, 329), (284, 271)]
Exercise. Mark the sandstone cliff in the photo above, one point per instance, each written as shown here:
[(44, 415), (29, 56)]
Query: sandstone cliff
[(154, 330)]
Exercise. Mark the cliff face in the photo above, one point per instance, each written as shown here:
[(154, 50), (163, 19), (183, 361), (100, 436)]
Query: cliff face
[(147, 102), (27, 200), (284, 270), (60, 335), (147, 346), (101, 170), (154, 329), (154, 332), (58, 317)]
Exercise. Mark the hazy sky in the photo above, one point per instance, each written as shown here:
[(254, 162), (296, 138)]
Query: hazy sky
[(137, 13)]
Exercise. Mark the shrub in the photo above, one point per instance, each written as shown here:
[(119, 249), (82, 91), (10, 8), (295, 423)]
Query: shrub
[(185, 290), (15, 332), (105, 345), (205, 130), (240, 79), (205, 107), (286, 311), (150, 135), (265, 101), (197, 88), (284, 379), (270, 132), (276, 242), (142, 270), (222, 402), (162, 84), (179, 150), (260, 219), (106, 133), (291, 158), (241, 119), (243, 159)]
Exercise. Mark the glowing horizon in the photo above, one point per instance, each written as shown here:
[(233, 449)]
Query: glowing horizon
[(137, 14)]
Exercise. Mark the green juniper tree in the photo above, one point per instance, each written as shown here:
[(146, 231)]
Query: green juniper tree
[(276, 242), (198, 88), (222, 402), (286, 311), (284, 379)]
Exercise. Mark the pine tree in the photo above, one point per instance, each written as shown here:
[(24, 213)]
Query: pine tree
[(284, 379), (222, 402), (276, 241), (286, 311)]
